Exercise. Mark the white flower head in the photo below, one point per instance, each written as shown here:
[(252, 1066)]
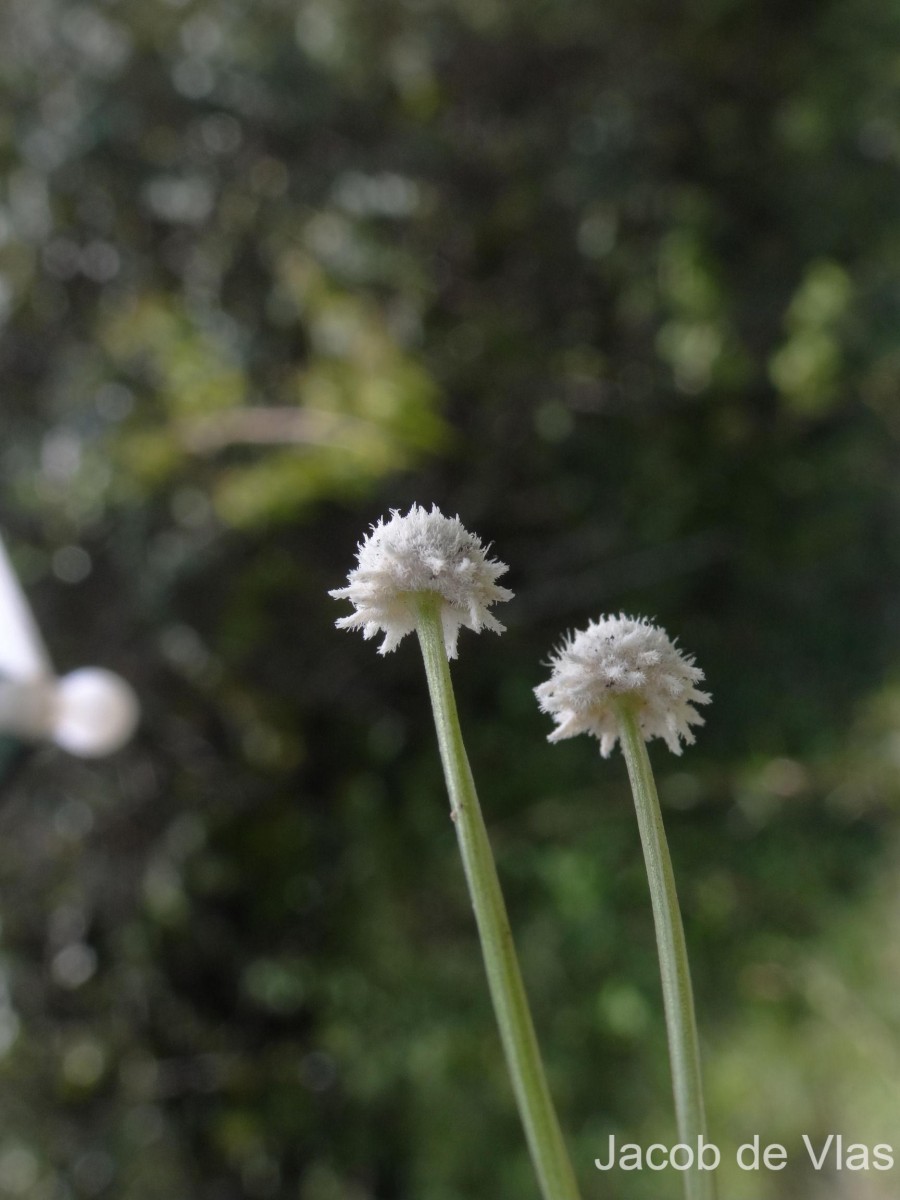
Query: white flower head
[(421, 552), (617, 658)]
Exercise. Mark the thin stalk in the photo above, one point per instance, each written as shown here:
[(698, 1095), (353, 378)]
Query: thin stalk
[(678, 998), (523, 1058)]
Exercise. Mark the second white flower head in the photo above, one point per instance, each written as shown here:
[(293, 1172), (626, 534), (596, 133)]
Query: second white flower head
[(617, 658), (419, 553)]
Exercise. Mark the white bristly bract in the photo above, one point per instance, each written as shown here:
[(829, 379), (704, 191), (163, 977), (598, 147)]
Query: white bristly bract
[(422, 552), (617, 658)]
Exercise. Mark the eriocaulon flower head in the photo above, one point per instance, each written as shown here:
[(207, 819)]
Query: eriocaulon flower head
[(622, 659), (406, 557)]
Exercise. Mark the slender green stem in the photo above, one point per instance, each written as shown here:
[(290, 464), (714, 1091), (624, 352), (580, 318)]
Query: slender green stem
[(523, 1059), (678, 999)]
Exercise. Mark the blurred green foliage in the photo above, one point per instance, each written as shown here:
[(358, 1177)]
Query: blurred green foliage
[(619, 285)]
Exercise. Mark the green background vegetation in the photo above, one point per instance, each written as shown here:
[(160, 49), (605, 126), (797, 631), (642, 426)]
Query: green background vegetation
[(619, 284)]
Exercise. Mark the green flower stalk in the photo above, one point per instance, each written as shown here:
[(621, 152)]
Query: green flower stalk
[(424, 572), (624, 680)]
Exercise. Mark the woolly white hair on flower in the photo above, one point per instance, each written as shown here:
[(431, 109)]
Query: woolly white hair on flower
[(422, 552), (616, 659)]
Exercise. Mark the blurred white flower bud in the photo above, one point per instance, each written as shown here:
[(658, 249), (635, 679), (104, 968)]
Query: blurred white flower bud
[(91, 712), (94, 712)]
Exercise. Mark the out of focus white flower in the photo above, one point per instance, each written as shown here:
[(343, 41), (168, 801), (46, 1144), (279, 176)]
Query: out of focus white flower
[(622, 660), (406, 557), (89, 712), (93, 713)]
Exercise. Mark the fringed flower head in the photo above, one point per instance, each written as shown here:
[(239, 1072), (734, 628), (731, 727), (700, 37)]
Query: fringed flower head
[(422, 552), (617, 659)]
